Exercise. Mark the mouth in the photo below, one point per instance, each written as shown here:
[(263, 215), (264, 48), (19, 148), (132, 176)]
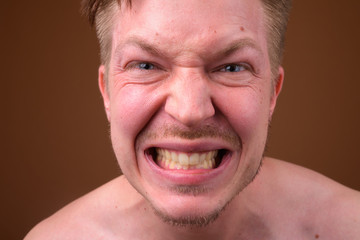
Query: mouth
[(175, 160)]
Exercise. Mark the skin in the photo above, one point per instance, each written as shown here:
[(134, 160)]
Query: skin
[(194, 86), (187, 90)]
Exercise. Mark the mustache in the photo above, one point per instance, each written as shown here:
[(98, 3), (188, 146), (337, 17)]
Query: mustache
[(205, 131)]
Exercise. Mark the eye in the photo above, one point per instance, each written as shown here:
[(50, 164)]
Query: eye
[(235, 68), (140, 66), (145, 66)]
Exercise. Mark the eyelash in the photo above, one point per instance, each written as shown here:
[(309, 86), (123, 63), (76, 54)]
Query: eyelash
[(137, 65), (148, 66), (244, 66)]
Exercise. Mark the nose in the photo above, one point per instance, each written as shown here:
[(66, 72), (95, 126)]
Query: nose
[(189, 99)]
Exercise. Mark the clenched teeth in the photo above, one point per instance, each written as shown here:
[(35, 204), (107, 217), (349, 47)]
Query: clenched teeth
[(180, 160)]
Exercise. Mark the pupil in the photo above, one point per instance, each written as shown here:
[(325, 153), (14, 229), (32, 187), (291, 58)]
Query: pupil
[(145, 66), (231, 68)]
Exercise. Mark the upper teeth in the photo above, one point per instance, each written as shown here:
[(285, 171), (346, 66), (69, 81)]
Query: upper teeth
[(180, 160)]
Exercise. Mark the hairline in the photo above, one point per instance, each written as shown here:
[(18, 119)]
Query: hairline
[(275, 49)]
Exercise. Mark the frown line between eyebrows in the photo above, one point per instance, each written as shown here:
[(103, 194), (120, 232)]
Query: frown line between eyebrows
[(237, 45)]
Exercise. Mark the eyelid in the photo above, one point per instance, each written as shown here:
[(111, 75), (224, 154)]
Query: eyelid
[(247, 66), (136, 64)]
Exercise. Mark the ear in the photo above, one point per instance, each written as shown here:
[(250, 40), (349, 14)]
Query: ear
[(278, 83), (104, 90)]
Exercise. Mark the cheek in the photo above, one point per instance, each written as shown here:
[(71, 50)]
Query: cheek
[(247, 112), (132, 106)]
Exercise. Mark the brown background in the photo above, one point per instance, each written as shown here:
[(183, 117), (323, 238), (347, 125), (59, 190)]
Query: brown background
[(55, 145)]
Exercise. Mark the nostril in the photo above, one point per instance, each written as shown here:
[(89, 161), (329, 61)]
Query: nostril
[(191, 114)]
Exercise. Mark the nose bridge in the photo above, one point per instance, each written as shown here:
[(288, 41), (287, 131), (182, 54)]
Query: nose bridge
[(189, 100)]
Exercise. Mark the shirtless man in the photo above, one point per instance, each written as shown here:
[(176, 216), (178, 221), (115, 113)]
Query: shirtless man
[(189, 88)]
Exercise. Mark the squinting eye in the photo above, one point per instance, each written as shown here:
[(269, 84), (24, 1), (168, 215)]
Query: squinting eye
[(145, 66), (233, 68)]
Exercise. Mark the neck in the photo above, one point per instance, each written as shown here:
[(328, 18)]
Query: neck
[(245, 217)]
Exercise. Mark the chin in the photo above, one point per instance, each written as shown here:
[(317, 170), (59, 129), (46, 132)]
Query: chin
[(192, 206), (190, 214)]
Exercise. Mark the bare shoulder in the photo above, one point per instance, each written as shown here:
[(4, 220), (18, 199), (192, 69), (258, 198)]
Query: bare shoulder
[(88, 216), (325, 205)]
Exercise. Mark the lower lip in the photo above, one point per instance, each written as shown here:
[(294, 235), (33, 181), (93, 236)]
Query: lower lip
[(189, 177)]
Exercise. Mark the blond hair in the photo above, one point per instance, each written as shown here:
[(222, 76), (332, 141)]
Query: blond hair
[(101, 12)]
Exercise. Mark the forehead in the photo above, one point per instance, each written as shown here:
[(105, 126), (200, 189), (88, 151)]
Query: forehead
[(190, 25)]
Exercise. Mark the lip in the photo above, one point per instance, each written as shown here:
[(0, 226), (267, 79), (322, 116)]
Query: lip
[(190, 146), (188, 177), (193, 176)]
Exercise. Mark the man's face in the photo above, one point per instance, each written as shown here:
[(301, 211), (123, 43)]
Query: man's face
[(189, 101)]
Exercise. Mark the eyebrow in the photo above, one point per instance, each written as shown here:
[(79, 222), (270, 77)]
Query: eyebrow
[(141, 43), (238, 45), (234, 46)]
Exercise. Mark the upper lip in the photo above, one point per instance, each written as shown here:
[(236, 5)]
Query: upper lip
[(184, 145)]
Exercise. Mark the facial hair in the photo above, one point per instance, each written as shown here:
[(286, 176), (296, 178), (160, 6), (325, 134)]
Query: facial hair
[(207, 131)]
